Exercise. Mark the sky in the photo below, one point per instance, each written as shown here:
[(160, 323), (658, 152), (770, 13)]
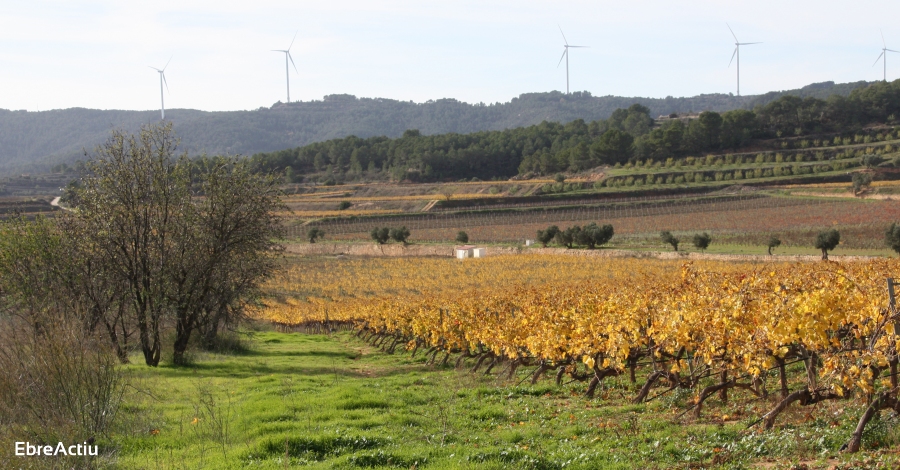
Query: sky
[(97, 54)]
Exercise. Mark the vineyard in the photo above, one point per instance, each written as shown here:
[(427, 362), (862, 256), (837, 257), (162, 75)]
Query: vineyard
[(743, 214), (778, 335)]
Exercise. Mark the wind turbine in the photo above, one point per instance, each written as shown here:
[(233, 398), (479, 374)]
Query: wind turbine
[(287, 71), (565, 55), (737, 52), (884, 51), (162, 79)]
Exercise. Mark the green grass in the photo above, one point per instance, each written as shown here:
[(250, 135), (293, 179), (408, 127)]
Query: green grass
[(334, 402)]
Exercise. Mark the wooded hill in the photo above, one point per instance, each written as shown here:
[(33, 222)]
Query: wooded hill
[(630, 134), (36, 141)]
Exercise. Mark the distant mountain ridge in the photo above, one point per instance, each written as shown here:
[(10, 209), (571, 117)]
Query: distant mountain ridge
[(34, 141)]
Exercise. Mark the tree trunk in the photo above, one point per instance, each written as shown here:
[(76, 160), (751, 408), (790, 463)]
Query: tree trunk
[(184, 326)]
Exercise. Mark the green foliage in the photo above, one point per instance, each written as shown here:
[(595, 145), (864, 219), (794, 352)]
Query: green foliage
[(773, 242), (33, 141), (314, 234), (614, 146), (892, 237), (546, 236), (702, 241), (861, 181), (344, 205), (380, 235), (827, 241), (669, 239), (548, 148), (462, 237), (399, 235), (593, 235), (567, 237)]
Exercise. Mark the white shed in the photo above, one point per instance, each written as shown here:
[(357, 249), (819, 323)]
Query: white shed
[(529, 242), (478, 253), (464, 251)]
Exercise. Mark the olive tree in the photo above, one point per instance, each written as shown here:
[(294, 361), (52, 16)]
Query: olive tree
[(547, 236), (669, 239), (892, 237), (827, 241), (380, 235), (593, 235), (399, 235), (702, 241), (773, 242)]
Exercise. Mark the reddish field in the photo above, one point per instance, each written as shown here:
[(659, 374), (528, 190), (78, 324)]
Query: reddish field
[(740, 221)]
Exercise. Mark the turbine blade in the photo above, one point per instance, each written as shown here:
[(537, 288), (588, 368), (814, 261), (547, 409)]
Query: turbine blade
[(167, 63), (732, 57), (154, 68), (563, 35), (292, 40), (292, 62), (879, 58), (163, 74), (562, 57), (883, 43), (732, 32), (891, 50), (579, 46), (748, 43)]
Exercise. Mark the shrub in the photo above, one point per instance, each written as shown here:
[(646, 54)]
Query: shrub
[(58, 383), (314, 234), (462, 237)]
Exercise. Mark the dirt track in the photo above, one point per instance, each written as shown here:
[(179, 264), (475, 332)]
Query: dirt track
[(371, 249)]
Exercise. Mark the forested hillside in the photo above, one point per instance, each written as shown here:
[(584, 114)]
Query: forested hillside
[(628, 134), (35, 141)]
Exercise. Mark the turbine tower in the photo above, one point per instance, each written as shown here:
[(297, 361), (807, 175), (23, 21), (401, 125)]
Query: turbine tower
[(565, 55), (737, 52), (287, 71), (884, 51), (162, 79)]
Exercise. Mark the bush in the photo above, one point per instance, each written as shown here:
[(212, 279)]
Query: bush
[(314, 234), (344, 205), (58, 384), (462, 237)]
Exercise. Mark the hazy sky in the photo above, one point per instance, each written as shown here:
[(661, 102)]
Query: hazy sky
[(95, 54)]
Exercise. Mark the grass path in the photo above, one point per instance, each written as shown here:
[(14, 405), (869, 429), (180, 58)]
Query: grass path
[(334, 402)]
